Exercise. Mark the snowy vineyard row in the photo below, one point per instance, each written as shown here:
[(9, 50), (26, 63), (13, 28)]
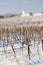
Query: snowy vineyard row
[(21, 38)]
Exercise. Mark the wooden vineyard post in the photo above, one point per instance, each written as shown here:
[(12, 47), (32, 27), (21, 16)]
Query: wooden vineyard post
[(42, 44), (29, 51)]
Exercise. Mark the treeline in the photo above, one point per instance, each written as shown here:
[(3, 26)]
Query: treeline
[(1, 16)]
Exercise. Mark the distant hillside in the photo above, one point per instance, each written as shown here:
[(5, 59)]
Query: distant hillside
[(9, 15)]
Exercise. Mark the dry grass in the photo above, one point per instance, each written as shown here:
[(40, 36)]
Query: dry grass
[(8, 25)]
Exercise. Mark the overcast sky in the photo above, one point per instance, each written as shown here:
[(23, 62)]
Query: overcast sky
[(12, 6)]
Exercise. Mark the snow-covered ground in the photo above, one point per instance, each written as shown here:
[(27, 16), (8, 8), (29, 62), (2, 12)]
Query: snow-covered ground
[(7, 56)]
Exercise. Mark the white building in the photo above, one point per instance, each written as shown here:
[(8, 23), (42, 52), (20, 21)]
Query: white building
[(24, 14)]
